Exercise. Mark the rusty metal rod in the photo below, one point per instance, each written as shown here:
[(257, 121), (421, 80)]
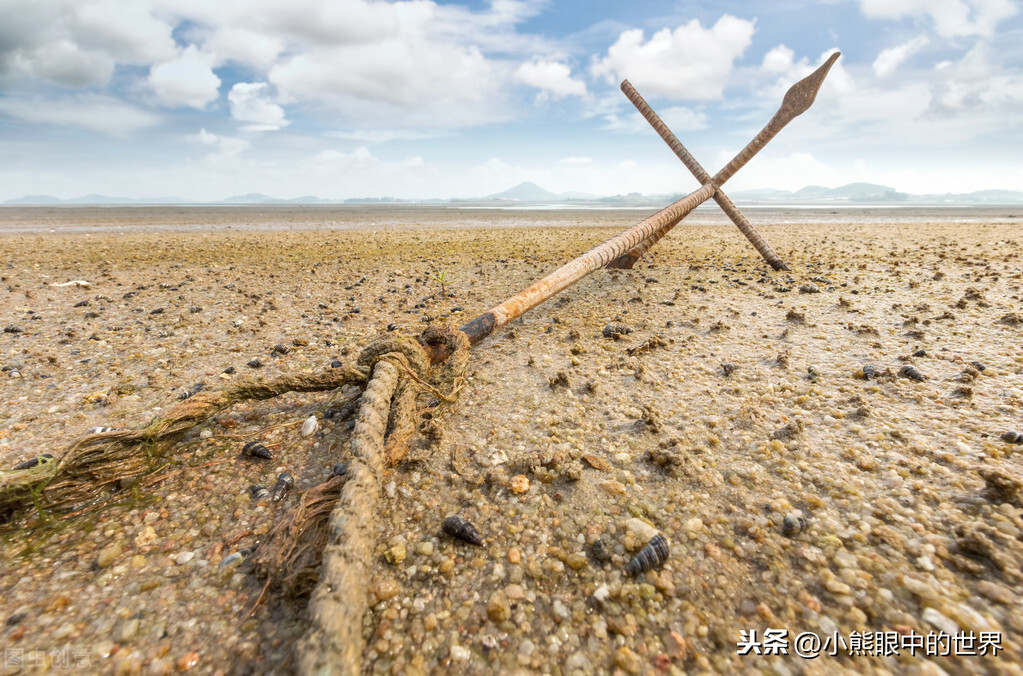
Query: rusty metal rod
[(703, 177), (572, 272), (797, 101)]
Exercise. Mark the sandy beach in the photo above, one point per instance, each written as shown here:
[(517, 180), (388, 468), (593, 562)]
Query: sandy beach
[(736, 407)]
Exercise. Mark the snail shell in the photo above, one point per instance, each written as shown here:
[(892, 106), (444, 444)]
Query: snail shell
[(653, 555), (459, 527), (911, 372), (1010, 437), (869, 372), (257, 450), (601, 550), (792, 525), (32, 462), (340, 469), (285, 482), (310, 426), (259, 491)]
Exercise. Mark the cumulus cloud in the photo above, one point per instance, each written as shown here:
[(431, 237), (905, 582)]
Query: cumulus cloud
[(951, 18), (251, 48), (187, 80), (223, 150), (888, 61), (65, 64), (94, 112), (552, 78), (250, 103), (690, 62)]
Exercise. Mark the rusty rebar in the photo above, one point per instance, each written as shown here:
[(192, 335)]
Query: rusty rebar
[(797, 101), (703, 177), (570, 273)]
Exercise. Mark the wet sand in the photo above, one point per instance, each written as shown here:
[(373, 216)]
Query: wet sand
[(903, 494)]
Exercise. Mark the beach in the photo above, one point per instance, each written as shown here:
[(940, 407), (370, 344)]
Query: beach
[(734, 417)]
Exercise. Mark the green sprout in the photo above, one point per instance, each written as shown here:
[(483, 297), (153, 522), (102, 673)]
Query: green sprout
[(442, 278)]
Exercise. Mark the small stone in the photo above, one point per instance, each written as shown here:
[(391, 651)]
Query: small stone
[(694, 525), (996, 592), (108, 555), (576, 561), (460, 653), (187, 661), (395, 554), (613, 487), (498, 607), (561, 611), (426, 548), (128, 630), (183, 558), (641, 529), (625, 658), (939, 621), (383, 590), (519, 484)]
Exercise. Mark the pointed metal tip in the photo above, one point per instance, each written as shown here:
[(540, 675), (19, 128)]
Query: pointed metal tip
[(801, 95)]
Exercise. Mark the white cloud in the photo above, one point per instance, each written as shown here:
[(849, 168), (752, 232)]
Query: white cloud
[(125, 29), (691, 62), (551, 77), (678, 118), (188, 80), (951, 18), (66, 65), (249, 103), (225, 151), (890, 59), (252, 48), (94, 112)]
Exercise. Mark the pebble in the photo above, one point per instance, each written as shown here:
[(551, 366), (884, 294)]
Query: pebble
[(641, 529), (395, 554), (183, 558), (383, 590), (498, 607), (939, 621), (996, 592), (627, 659), (519, 484), (108, 555)]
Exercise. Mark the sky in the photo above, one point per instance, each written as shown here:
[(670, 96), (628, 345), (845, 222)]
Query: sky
[(440, 99)]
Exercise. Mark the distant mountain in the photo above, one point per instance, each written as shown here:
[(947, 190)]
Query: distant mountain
[(528, 192), (253, 198), (34, 199), (524, 192)]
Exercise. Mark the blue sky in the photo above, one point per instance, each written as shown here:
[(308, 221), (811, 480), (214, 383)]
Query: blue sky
[(420, 99)]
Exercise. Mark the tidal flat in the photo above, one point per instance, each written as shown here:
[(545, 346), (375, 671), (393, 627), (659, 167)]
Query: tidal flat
[(736, 418)]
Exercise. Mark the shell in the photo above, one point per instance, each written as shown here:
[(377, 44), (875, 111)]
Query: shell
[(259, 491), (231, 561), (869, 372), (601, 550), (812, 373), (335, 364), (257, 450), (1012, 437), (615, 330), (310, 426), (793, 524), (728, 368), (32, 462), (285, 482), (653, 555), (281, 349), (100, 430), (194, 389), (340, 469), (254, 363), (977, 365), (459, 527), (911, 372)]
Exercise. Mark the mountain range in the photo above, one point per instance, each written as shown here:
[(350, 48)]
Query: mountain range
[(530, 193)]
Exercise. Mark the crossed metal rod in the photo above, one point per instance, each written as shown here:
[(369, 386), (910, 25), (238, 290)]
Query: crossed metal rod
[(623, 250)]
